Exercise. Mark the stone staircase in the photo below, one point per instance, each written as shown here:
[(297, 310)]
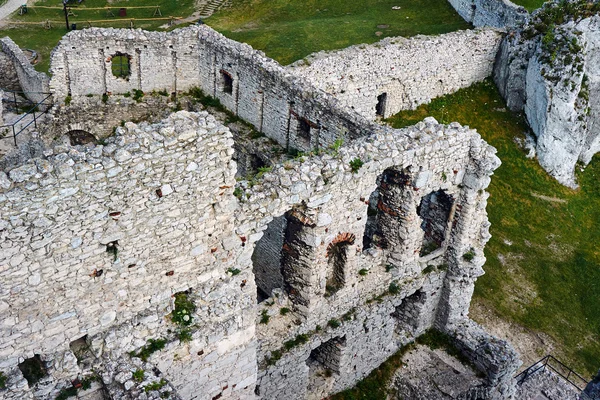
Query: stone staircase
[(206, 8)]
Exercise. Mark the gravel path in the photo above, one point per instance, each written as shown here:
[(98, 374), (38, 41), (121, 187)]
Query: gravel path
[(9, 7)]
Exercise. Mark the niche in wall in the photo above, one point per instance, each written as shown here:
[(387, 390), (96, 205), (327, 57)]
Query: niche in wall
[(381, 103), (33, 369), (226, 82), (337, 257)]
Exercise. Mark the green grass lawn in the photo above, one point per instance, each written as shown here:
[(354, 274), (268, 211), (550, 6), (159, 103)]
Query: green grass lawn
[(530, 5), (543, 261), (288, 30), (33, 35)]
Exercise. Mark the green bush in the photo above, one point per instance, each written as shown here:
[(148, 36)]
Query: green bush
[(138, 375), (356, 164), (333, 323), (264, 317)]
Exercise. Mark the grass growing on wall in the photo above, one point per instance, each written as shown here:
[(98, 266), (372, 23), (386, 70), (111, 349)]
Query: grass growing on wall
[(43, 40), (530, 5), (542, 267), (288, 30)]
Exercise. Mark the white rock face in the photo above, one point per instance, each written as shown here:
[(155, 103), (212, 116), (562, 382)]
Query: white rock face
[(557, 84)]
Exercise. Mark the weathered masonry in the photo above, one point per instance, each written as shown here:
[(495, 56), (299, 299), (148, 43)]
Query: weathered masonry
[(397, 74), (303, 282)]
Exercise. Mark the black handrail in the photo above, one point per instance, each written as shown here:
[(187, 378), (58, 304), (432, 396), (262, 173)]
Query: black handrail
[(31, 111), (545, 363)]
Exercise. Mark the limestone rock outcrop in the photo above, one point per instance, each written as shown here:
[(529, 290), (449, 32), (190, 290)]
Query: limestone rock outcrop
[(550, 69)]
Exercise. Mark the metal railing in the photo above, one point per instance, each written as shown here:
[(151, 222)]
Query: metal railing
[(34, 112), (557, 367)]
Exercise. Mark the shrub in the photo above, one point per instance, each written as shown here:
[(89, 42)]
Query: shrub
[(137, 95), (469, 255), (155, 386), (264, 317), (184, 335), (356, 164), (152, 346), (333, 323), (284, 310), (138, 375), (394, 288), (363, 272)]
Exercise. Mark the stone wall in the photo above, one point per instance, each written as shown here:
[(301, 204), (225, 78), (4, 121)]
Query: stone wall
[(32, 82), (493, 13), (162, 196), (408, 72), (8, 78), (556, 85), (260, 91), (373, 306), (111, 232)]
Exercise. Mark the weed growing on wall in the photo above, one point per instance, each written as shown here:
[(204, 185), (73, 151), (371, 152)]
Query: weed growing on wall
[(183, 310)]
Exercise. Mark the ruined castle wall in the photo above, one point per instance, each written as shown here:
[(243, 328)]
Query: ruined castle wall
[(492, 13), (451, 159), (263, 93), (32, 82), (494, 357), (408, 72), (163, 195), (246, 82), (82, 63), (9, 79)]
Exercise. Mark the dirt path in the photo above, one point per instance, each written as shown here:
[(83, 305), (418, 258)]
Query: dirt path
[(529, 344)]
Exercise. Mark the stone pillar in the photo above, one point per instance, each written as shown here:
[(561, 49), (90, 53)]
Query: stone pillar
[(297, 258)]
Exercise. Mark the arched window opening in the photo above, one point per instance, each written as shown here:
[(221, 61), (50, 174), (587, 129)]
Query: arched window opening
[(337, 257)]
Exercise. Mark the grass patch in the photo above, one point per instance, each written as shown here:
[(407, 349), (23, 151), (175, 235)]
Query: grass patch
[(42, 40), (138, 375), (552, 282), (153, 345), (530, 5), (290, 30)]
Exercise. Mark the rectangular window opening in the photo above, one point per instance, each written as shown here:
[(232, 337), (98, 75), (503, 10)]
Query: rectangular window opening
[(380, 107), (227, 81)]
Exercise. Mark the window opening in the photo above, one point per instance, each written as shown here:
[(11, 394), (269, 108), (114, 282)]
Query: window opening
[(434, 211), (266, 258), (120, 65), (380, 107), (227, 82), (337, 257), (304, 128), (408, 314), (33, 369)]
